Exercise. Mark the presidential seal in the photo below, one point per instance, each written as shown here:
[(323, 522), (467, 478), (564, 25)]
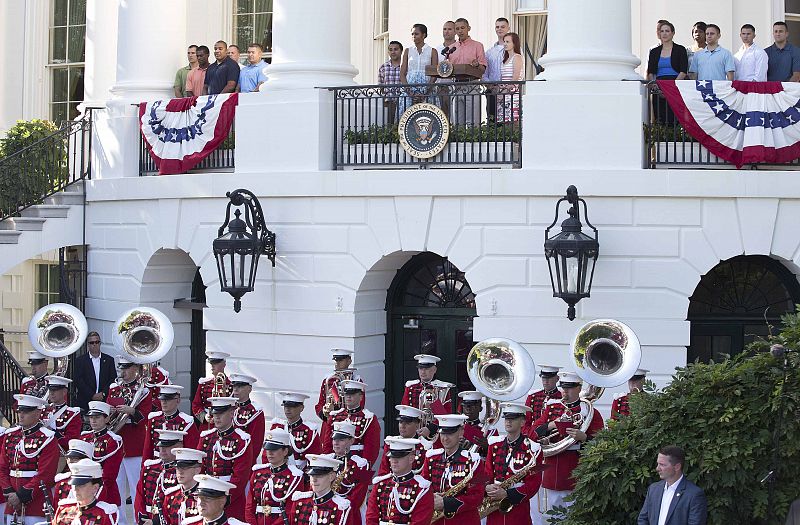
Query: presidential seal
[(424, 130), (445, 68)]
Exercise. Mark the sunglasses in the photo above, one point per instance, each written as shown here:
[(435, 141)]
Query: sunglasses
[(93, 342)]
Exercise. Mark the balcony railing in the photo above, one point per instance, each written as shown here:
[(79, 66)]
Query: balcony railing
[(221, 159), (670, 146), (366, 124)]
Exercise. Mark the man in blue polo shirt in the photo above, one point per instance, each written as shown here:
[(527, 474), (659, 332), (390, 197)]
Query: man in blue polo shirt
[(223, 75), (252, 75), (714, 62), (784, 58)]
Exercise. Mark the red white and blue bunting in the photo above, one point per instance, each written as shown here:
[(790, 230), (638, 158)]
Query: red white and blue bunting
[(740, 122), (181, 132)]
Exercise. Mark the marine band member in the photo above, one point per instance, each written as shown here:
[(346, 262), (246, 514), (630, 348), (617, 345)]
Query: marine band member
[(440, 392), (537, 400), (620, 406), (400, 497), (180, 502), (36, 383), (208, 387), (158, 378), (342, 359), (368, 431), (84, 507), (508, 456), (64, 420), (273, 483), (321, 505), (78, 449), (247, 416), (476, 432), (29, 456), (108, 449), (169, 418), (213, 496), (228, 453), (557, 480), (158, 475), (354, 475), (408, 426), (304, 435), (451, 465)]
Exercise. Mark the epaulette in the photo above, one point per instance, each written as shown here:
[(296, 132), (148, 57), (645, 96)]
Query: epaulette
[(442, 384), (62, 476), (553, 401), (278, 421), (495, 439), (186, 417), (412, 382), (296, 495), (424, 483), (358, 460), (83, 432), (27, 379), (259, 466), (474, 456), (204, 380), (67, 501), (74, 410), (367, 414), (341, 502), (113, 385), (115, 437), (46, 431), (153, 415), (172, 489), (14, 429), (189, 521), (378, 479), (434, 452), (242, 434), (619, 395), (208, 432), (311, 426), (151, 462), (296, 472), (332, 412), (234, 521), (109, 508), (533, 445)]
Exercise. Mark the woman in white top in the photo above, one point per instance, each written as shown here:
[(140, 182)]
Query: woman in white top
[(412, 69), (508, 96)]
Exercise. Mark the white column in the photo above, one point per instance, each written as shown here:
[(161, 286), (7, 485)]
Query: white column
[(151, 42), (101, 51), (589, 40), (311, 45)]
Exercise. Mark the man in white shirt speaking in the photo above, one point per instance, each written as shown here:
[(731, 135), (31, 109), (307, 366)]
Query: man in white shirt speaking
[(674, 500), (751, 60)]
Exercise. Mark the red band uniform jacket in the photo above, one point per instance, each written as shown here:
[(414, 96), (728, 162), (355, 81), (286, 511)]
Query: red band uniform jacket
[(108, 452), (503, 461), (367, 443), (156, 478), (229, 457), (271, 489), (205, 389), (177, 421), (330, 509), (415, 388), (251, 420), (177, 505), (27, 458), (331, 381), (401, 500), (303, 436), (353, 479), (420, 449), (445, 472), (97, 513), (537, 401), (65, 421), (133, 432)]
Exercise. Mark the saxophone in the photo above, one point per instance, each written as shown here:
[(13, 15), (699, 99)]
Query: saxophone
[(336, 486), (489, 505), (452, 491)]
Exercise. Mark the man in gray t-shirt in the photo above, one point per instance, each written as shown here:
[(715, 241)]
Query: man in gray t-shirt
[(784, 58)]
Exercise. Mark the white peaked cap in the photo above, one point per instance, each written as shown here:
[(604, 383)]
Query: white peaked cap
[(349, 384), (188, 454), (24, 400), (99, 407), (58, 380), (426, 359), (470, 395)]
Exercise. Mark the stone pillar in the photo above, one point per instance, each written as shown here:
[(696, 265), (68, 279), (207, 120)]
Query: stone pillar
[(151, 42), (589, 40), (290, 115), (101, 51), (311, 45)]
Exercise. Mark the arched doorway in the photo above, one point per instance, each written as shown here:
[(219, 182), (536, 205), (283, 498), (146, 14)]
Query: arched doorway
[(430, 309), (734, 302)]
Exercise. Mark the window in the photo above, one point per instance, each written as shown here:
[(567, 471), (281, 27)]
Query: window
[(381, 33), (532, 28), (252, 22), (792, 8), (67, 52), (47, 286)]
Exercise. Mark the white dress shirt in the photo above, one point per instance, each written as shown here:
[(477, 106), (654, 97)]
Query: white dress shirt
[(96, 366), (751, 64), (666, 500)]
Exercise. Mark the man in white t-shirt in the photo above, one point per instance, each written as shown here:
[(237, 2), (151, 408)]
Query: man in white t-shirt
[(751, 60)]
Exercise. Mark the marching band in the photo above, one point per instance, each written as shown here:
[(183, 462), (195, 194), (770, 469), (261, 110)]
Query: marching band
[(491, 460)]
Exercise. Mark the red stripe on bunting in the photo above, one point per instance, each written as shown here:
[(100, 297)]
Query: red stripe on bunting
[(769, 88), (748, 155)]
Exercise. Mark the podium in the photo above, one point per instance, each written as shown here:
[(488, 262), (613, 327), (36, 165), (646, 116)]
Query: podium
[(462, 72)]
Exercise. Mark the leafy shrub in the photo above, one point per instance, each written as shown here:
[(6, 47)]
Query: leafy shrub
[(725, 415), (40, 166)]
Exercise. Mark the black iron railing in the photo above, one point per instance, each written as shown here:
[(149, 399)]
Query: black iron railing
[(221, 159), (485, 121), (11, 374), (670, 146), (29, 175)]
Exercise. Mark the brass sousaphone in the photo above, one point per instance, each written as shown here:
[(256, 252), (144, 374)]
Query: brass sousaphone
[(57, 330), (605, 353)]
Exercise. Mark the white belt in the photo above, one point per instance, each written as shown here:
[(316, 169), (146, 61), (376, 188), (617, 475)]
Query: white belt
[(260, 509), (24, 473), (359, 447), (387, 523)]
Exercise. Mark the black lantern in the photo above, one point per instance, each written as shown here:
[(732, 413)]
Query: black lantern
[(238, 251), (571, 254)]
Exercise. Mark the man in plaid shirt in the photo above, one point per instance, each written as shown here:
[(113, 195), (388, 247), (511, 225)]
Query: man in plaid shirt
[(389, 73)]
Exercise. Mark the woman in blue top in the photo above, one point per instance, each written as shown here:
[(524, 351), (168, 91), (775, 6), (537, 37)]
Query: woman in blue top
[(667, 61)]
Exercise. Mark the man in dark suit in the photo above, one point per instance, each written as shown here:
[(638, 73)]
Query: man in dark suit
[(93, 373), (674, 500)]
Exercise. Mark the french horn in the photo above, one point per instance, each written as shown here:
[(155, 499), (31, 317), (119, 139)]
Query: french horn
[(605, 353)]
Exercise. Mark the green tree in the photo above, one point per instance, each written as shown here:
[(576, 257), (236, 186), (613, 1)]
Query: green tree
[(727, 417)]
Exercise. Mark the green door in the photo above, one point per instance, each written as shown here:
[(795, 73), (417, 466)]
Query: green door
[(430, 311)]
